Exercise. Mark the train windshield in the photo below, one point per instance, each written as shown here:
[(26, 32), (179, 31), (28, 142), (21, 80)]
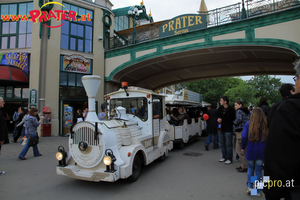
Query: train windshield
[(136, 106)]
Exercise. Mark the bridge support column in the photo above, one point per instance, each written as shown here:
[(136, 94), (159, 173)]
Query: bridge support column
[(111, 87)]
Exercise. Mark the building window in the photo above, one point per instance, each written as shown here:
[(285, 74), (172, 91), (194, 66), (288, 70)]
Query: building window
[(15, 33), (17, 92), (77, 35), (121, 23), (71, 86)]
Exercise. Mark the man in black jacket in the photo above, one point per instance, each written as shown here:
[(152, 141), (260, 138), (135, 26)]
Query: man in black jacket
[(3, 128), (282, 160), (286, 90), (226, 116), (212, 126)]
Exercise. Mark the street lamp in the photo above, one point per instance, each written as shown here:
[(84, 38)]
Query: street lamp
[(243, 10), (133, 13)]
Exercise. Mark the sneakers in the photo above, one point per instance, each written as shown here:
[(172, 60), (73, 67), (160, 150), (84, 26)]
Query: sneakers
[(227, 162), (243, 170), (222, 160), (248, 190), (2, 173), (258, 194)]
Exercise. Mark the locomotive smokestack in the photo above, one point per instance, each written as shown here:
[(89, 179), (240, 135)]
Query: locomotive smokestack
[(91, 84)]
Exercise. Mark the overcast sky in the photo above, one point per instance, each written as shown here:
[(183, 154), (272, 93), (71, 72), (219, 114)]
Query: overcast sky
[(167, 9)]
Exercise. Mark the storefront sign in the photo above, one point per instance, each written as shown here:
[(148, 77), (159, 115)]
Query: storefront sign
[(182, 24), (77, 63), (33, 97), (19, 60)]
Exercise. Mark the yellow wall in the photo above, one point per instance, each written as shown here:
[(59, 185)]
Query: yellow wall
[(98, 61)]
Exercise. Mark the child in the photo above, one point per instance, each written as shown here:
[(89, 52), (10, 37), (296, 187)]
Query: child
[(254, 137)]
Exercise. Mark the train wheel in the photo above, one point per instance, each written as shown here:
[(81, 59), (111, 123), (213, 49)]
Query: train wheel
[(180, 145), (163, 157), (136, 169)]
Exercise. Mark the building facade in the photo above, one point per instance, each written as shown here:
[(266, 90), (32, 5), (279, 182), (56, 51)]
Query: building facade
[(42, 63)]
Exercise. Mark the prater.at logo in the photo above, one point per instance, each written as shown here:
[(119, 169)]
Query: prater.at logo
[(43, 16)]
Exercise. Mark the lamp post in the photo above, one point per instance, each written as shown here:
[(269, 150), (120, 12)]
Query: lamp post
[(133, 13), (243, 10)]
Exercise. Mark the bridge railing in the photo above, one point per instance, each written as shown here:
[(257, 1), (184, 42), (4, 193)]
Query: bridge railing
[(218, 16), (260, 7)]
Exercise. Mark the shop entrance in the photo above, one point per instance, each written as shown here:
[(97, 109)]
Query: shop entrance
[(8, 111), (67, 114)]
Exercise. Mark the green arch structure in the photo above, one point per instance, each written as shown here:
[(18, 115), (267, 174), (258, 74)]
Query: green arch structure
[(247, 25)]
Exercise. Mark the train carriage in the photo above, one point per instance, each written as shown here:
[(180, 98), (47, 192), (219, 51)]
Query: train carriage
[(192, 125)]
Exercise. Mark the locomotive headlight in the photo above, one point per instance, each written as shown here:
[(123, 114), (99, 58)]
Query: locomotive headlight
[(82, 146), (107, 160), (59, 156)]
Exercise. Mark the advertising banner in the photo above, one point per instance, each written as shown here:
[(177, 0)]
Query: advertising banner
[(77, 63), (19, 60)]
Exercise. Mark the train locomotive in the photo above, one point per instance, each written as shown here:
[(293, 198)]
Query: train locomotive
[(133, 134)]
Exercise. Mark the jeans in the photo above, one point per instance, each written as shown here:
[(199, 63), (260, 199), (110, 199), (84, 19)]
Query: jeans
[(15, 130), (209, 140), (257, 166), (23, 132), (26, 147), (225, 140)]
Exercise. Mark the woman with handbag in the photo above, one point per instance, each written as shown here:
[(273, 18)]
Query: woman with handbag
[(31, 123)]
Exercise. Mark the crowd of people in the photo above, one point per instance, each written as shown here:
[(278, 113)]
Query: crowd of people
[(266, 140)]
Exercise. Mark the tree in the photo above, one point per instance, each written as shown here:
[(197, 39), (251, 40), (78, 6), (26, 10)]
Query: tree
[(266, 86), (213, 89), (243, 92)]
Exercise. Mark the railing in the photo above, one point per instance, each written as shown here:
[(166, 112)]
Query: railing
[(215, 17), (141, 35)]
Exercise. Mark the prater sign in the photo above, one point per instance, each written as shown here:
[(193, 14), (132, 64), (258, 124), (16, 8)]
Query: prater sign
[(182, 24)]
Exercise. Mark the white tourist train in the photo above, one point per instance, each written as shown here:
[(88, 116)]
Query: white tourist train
[(133, 135), (192, 125)]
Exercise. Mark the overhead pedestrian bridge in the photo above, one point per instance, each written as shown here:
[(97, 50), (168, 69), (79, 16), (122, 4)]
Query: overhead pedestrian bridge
[(261, 39)]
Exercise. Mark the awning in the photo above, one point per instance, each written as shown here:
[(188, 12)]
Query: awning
[(12, 74)]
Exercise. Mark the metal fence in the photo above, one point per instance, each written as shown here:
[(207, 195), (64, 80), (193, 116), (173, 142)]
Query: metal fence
[(215, 17)]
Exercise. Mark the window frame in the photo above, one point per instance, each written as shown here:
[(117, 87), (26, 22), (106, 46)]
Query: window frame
[(17, 33), (76, 37)]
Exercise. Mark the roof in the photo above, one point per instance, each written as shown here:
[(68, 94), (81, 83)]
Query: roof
[(134, 89), (124, 11), (12, 73)]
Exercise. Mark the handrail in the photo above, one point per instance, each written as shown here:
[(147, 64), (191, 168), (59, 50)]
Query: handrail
[(215, 17)]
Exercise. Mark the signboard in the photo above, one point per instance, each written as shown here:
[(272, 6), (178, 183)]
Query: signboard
[(9, 92), (19, 60), (185, 95), (192, 96), (33, 98), (182, 24), (2, 91), (77, 63)]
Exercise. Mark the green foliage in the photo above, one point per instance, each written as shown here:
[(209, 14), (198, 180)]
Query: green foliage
[(213, 89), (266, 86), (242, 92), (235, 88)]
